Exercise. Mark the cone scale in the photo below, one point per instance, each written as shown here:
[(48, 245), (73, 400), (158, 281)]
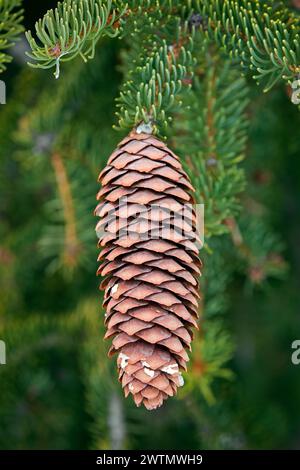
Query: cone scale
[(150, 265)]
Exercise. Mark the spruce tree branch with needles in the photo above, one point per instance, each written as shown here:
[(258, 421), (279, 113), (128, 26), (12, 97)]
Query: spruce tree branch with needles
[(11, 16), (263, 36), (71, 243)]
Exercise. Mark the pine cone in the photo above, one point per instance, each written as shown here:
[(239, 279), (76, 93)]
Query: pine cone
[(151, 266)]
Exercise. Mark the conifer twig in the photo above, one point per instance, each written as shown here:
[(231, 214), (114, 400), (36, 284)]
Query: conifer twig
[(11, 16), (72, 244)]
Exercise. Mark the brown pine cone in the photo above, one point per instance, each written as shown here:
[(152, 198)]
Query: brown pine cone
[(151, 266)]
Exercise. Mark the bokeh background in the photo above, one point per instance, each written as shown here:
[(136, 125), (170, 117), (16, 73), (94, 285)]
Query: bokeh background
[(58, 389)]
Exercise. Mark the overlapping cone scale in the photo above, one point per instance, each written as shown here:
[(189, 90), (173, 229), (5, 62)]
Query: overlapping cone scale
[(150, 266)]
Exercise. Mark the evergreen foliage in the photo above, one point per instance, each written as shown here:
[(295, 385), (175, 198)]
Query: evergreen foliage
[(176, 66), (11, 15)]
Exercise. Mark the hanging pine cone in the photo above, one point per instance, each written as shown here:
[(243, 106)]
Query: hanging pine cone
[(150, 266)]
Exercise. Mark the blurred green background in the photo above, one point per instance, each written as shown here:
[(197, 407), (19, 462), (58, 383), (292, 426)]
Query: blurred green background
[(58, 389)]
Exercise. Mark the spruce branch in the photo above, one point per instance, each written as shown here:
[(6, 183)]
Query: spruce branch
[(11, 16), (213, 348), (262, 35), (72, 245), (213, 127), (258, 248), (73, 28), (152, 89)]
